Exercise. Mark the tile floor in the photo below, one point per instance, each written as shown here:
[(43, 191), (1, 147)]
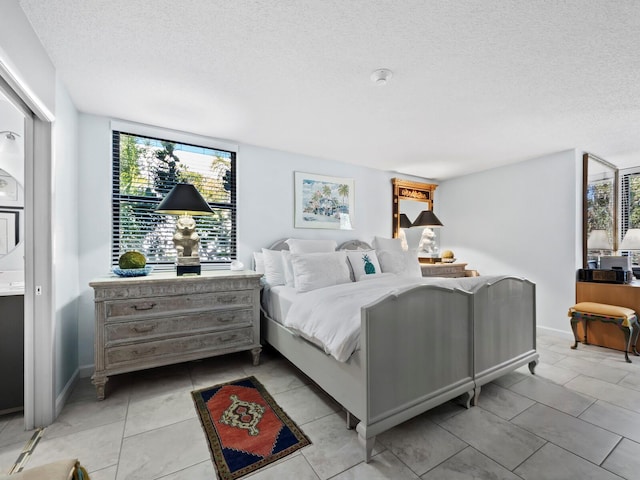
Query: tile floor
[(578, 417)]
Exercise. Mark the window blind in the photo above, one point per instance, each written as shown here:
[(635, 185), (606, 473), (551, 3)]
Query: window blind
[(145, 169)]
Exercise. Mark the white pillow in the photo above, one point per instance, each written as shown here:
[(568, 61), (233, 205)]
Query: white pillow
[(273, 267), (311, 246), (363, 262), (258, 262), (405, 264), (389, 244), (288, 268), (317, 270)]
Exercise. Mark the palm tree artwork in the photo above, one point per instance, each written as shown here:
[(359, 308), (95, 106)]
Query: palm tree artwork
[(324, 201)]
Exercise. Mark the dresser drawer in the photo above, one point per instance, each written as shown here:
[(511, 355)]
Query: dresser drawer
[(115, 356), (153, 306), (153, 328)]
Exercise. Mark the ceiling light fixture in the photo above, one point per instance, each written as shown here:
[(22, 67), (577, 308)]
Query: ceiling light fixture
[(381, 76)]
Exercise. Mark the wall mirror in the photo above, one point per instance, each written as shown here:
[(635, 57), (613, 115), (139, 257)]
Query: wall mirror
[(409, 200), (600, 205)]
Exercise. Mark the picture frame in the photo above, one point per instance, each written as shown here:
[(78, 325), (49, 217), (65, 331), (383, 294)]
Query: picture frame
[(324, 202), (9, 230)]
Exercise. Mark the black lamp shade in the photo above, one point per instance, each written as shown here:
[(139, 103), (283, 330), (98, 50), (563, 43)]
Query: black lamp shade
[(404, 221), (427, 219), (184, 199)]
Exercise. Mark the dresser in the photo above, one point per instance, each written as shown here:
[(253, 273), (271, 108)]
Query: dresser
[(161, 319), (450, 270)]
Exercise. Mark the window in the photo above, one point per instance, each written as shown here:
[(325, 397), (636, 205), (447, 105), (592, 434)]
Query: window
[(630, 205), (145, 169)]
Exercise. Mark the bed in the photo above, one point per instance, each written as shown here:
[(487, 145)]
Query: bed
[(419, 346)]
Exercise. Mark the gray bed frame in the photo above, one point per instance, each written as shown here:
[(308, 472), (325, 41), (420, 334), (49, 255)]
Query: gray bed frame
[(418, 349)]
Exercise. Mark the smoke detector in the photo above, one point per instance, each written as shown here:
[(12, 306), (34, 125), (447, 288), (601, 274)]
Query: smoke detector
[(381, 76)]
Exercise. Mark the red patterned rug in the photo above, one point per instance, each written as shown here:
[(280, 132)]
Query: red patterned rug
[(245, 427)]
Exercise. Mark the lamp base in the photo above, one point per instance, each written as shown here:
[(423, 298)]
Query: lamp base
[(188, 266), (187, 270)]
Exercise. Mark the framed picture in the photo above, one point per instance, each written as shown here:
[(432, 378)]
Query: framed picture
[(9, 230), (323, 202)]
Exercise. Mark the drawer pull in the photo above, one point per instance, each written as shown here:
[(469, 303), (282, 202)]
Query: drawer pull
[(147, 351), (226, 319), (227, 300), (144, 306), (142, 328), (228, 338)]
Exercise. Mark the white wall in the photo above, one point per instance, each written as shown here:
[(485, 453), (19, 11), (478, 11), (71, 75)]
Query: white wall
[(265, 210), (520, 219), (65, 242)]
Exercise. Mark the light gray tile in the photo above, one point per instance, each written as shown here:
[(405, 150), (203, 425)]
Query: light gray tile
[(158, 381), (568, 432), (163, 451), (613, 418), (14, 432), (502, 402), (203, 470), (593, 369), (616, 394), (625, 460), (85, 415), (503, 442), (549, 357), (421, 444), (587, 352), (295, 467), (213, 371), (277, 376), (96, 448), (382, 467), (555, 374), (305, 404), (553, 395), (511, 378), (333, 448), (443, 412), (159, 412), (108, 473), (632, 380), (469, 464), (8, 456), (554, 463)]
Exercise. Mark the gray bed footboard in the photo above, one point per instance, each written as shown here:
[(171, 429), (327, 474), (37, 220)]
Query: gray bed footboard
[(504, 318), (417, 349)]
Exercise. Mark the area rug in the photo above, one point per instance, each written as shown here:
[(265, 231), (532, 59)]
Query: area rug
[(245, 427)]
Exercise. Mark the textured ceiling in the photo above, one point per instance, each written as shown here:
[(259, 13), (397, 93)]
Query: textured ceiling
[(476, 84)]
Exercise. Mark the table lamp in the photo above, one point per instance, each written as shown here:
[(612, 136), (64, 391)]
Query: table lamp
[(599, 240), (185, 200)]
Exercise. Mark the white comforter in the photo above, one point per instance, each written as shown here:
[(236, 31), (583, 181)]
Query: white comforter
[(330, 316)]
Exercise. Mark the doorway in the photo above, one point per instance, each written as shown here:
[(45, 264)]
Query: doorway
[(39, 391)]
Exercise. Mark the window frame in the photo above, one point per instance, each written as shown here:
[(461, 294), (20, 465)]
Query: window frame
[(177, 137)]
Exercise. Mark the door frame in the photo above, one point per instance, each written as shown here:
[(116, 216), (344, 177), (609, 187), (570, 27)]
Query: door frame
[(39, 317)]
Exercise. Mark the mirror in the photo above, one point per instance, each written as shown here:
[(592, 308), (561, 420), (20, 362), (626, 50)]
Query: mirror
[(600, 202), (409, 199), (11, 213)]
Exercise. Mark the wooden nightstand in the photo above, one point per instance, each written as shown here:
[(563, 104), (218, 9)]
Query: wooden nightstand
[(451, 270), (161, 319)]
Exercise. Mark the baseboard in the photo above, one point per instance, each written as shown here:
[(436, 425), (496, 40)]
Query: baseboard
[(61, 399)]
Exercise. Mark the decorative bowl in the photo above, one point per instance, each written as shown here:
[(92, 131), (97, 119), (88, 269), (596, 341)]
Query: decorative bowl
[(132, 272), (448, 260)]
